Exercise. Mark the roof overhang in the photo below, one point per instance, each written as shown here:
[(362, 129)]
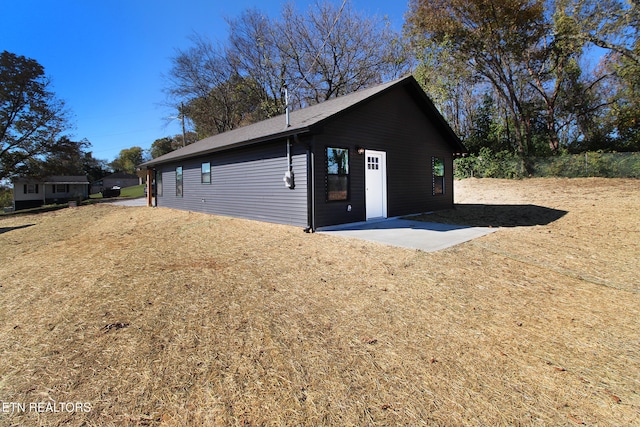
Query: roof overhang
[(310, 120), (47, 180), (177, 156), (65, 182)]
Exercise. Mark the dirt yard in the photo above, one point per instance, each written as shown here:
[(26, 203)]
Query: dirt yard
[(135, 316)]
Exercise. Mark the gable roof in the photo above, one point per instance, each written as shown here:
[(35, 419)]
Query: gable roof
[(303, 121)]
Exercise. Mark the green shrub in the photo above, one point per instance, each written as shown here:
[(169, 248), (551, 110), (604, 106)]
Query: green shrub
[(488, 164), (6, 197), (507, 165)]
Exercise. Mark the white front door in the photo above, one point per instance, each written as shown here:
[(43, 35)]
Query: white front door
[(376, 183)]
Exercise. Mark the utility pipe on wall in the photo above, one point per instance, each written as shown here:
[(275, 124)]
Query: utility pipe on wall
[(288, 175)]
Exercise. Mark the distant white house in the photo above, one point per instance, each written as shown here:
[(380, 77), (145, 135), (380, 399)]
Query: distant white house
[(118, 179), (33, 192)]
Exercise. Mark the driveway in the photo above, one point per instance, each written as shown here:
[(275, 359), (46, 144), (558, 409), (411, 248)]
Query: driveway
[(140, 201), (426, 236)]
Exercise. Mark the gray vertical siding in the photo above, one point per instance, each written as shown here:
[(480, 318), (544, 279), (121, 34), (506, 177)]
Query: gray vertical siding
[(394, 124), (245, 183)]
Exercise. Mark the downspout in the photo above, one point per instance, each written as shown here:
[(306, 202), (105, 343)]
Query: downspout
[(289, 177)]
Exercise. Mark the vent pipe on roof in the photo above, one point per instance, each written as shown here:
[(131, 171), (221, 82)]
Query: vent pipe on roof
[(287, 108)]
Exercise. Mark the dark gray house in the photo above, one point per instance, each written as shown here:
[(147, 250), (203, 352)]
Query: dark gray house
[(380, 152), (118, 179)]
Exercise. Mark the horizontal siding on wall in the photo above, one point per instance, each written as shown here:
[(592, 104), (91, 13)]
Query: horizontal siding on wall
[(338, 212), (245, 183), (20, 195), (75, 190), (393, 124)]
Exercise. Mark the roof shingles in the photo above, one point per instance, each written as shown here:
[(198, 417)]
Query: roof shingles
[(301, 121)]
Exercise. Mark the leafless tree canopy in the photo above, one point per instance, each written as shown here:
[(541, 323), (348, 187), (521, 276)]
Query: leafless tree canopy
[(324, 52)]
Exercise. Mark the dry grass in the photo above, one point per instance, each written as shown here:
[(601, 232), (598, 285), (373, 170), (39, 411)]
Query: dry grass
[(161, 317)]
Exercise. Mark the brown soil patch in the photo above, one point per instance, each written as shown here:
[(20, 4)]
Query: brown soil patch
[(162, 317)]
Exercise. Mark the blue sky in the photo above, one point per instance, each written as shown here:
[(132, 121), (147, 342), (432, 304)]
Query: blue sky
[(107, 58)]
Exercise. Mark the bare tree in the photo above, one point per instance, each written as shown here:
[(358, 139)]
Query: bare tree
[(252, 52), (327, 52), (332, 51), (216, 97)]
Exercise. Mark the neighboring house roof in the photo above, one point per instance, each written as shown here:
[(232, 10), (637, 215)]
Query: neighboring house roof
[(51, 180), (121, 175), (303, 121)]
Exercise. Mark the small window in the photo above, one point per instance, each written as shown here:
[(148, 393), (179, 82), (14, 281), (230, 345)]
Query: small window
[(60, 188), (159, 182), (373, 163), (179, 181), (337, 174), (30, 188), (205, 173), (437, 165)]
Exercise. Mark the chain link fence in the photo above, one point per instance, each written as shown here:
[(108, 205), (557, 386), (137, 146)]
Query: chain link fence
[(591, 164)]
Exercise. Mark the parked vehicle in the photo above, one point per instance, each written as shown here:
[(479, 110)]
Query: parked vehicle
[(111, 192)]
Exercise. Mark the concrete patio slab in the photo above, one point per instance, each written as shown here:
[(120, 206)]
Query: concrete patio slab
[(426, 236)]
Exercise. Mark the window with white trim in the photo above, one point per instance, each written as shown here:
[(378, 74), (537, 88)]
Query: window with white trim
[(437, 166), (159, 182), (205, 173), (179, 181)]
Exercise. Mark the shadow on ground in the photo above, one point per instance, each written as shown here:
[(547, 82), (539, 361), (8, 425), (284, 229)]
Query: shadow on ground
[(8, 229), (494, 215)]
